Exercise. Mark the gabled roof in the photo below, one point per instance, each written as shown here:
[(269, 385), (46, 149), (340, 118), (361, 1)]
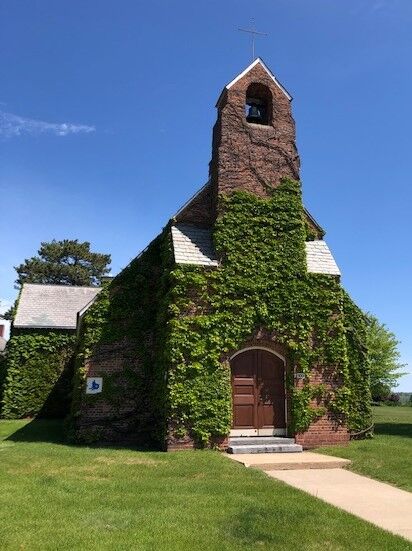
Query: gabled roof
[(51, 306), (194, 246), (198, 209), (319, 259), (192, 198), (258, 61), (207, 185)]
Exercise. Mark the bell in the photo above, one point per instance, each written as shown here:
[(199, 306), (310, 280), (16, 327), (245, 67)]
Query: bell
[(254, 114)]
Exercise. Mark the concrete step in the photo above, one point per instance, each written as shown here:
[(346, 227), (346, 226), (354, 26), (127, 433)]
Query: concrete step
[(259, 440), (267, 448), (289, 461)]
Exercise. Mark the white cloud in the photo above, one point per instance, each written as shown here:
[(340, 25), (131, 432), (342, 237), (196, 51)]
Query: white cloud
[(14, 125)]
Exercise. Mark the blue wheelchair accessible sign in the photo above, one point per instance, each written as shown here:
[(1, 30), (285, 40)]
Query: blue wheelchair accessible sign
[(94, 385)]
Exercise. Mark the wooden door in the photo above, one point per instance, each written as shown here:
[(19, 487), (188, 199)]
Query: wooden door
[(258, 390), (244, 390), (271, 391)]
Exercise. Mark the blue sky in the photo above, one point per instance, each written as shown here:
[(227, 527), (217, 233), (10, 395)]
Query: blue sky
[(106, 112)]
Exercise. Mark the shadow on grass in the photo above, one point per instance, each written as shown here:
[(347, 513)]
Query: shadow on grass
[(254, 525), (251, 527), (394, 429), (52, 431), (40, 430)]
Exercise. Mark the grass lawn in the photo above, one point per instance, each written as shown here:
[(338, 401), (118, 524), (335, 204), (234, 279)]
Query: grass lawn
[(387, 456), (57, 497)]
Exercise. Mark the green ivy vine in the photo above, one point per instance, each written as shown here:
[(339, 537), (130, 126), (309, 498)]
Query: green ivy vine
[(181, 321), (38, 373)]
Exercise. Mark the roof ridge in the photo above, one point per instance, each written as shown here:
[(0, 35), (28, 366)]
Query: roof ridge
[(63, 285), (255, 62), (198, 192)]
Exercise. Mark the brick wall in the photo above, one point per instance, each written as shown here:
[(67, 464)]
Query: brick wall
[(328, 429), (247, 156), (114, 415), (198, 210)]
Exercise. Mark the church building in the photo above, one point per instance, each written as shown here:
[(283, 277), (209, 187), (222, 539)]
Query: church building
[(231, 328)]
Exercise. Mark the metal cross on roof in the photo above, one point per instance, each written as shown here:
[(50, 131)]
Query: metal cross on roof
[(253, 33)]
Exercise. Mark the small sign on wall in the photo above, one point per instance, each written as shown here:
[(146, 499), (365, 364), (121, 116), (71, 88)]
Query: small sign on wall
[(300, 376), (94, 385)]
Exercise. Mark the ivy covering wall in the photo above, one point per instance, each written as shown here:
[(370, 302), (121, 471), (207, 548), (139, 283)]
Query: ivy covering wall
[(38, 372), (181, 322), (360, 412), (126, 320), (263, 283)]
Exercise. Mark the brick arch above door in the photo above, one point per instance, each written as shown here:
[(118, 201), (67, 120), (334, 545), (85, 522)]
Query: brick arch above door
[(259, 346), (261, 338)]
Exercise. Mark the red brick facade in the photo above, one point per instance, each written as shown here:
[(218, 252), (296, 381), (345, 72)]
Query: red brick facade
[(245, 156), (253, 157), (198, 210), (107, 417), (328, 429), (323, 432)]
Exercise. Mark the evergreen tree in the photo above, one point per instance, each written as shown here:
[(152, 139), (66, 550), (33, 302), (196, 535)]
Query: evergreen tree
[(66, 262)]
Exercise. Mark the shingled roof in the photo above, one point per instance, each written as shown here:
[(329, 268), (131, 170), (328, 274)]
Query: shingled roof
[(51, 306), (194, 245), (319, 259)]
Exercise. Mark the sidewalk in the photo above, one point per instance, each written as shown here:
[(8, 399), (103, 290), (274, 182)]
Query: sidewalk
[(377, 502), (285, 461)]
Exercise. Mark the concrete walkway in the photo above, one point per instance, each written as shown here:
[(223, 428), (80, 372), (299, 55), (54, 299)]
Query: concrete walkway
[(379, 503), (287, 461)]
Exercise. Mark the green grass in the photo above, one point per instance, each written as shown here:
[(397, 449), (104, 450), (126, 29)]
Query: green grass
[(54, 496), (387, 456)]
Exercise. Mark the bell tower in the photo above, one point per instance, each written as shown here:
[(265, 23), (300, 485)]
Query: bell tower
[(254, 135)]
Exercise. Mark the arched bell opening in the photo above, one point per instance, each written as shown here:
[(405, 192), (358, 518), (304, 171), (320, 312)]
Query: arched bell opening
[(258, 104), (259, 400)]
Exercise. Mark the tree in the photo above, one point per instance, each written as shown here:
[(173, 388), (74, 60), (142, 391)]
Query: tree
[(10, 313), (66, 262), (383, 356)]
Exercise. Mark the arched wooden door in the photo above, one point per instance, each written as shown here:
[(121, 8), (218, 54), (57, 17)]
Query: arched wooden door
[(258, 393)]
